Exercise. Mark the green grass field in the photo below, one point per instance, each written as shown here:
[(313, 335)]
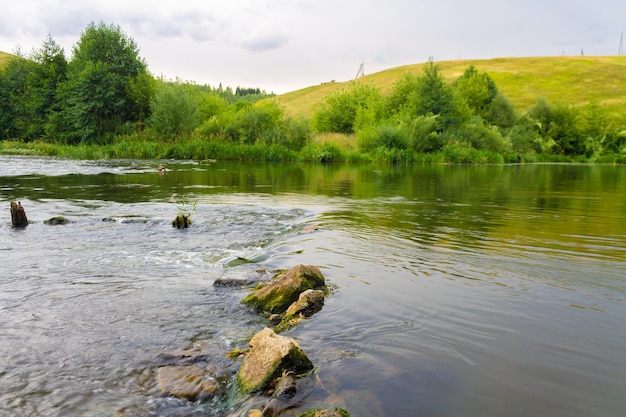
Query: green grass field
[(560, 80)]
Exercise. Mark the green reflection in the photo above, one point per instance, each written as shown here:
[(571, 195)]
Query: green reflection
[(559, 205)]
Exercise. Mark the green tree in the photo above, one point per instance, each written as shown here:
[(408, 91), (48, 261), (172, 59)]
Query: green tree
[(174, 110), (99, 96), (402, 102), (478, 89), (566, 130), (436, 97), (345, 111), (13, 87), (49, 71), (500, 112)]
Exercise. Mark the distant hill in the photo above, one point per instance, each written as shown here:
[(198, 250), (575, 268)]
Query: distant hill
[(3, 58), (560, 80), (564, 80)]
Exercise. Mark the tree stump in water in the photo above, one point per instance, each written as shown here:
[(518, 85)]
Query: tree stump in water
[(181, 221), (18, 215)]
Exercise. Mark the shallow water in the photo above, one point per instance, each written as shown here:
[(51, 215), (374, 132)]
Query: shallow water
[(460, 291)]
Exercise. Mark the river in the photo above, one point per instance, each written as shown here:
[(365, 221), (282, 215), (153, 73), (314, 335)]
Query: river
[(458, 290)]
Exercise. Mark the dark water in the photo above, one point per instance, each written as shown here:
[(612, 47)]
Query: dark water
[(460, 291)]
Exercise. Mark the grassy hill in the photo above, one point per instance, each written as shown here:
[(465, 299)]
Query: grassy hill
[(564, 80), (3, 58), (560, 80)]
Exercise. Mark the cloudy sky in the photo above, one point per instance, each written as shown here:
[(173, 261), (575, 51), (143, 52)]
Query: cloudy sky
[(285, 45)]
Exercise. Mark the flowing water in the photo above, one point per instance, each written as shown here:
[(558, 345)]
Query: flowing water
[(459, 290)]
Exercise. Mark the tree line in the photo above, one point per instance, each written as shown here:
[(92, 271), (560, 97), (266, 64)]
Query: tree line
[(105, 93)]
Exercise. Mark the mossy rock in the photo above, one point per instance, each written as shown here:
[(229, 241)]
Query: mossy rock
[(281, 293), (270, 355), (57, 220), (309, 302), (182, 221)]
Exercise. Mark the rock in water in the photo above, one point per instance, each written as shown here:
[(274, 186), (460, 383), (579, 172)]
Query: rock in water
[(18, 215), (181, 221), (190, 382), (270, 356), (56, 221), (278, 295), (309, 303)]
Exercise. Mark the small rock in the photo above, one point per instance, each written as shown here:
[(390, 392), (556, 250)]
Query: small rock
[(57, 220), (308, 303), (189, 382)]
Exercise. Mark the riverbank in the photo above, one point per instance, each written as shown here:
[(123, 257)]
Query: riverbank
[(322, 150)]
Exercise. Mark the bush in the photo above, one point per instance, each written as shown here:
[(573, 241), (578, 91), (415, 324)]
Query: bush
[(343, 111), (457, 153), (479, 136), (383, 136), (322, 153), (174, 110), (422, 134)]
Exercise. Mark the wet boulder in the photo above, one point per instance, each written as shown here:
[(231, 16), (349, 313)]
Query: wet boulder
[(270, 357), (277, 296), (309, 302)]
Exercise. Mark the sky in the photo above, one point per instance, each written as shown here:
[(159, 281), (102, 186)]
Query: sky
[(285, 45)]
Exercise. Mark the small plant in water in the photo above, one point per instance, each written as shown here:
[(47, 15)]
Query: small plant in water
[(183, 219)]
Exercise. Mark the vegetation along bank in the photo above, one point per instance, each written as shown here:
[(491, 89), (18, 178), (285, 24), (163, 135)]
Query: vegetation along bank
[(104, 103)]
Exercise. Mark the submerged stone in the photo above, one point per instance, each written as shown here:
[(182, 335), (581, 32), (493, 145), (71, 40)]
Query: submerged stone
[(57, 220), (189, 382)]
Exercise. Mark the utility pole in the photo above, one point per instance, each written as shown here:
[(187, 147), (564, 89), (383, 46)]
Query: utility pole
[(361, 71)]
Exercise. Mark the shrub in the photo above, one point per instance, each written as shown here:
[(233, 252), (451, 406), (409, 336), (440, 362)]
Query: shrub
[(386, 135), (422, 134)]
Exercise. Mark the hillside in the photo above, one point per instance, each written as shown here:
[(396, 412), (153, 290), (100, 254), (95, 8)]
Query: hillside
[(3, 58), (564, 80)]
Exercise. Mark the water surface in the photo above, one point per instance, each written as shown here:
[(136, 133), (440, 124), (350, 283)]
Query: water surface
[(460, 291)]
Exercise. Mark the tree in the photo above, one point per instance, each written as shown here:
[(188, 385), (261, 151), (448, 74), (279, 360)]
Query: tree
[(478, 89), (435, 97), (344, 111), (13, 86), (48, 71), (174, 109), (101, 91)]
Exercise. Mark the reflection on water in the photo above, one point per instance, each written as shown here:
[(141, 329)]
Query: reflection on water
[(492, 290)]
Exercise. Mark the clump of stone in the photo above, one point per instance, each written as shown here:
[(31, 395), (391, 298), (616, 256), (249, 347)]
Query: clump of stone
[(275, 373), (290, 297)]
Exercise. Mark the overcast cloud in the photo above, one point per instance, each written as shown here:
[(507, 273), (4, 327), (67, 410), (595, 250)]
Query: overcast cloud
[(285, 45)]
